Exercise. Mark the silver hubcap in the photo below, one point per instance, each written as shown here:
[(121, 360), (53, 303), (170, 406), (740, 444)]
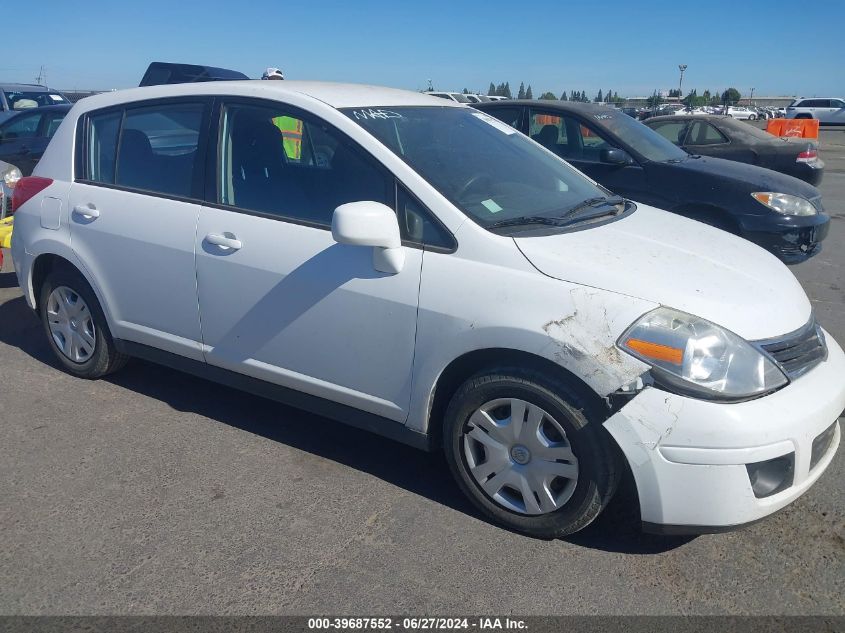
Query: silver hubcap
[(71, 324), (519, 455)]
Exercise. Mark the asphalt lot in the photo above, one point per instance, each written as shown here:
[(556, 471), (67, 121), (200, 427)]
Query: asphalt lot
[(154, 492)]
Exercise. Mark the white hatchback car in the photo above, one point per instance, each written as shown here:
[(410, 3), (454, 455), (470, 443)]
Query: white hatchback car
[(423, 271)]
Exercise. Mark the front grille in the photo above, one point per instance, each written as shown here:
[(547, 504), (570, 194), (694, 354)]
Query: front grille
[(799, 352)]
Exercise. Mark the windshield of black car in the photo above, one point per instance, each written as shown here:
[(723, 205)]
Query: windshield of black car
[(641, 138), (20, 100), (484, 167)]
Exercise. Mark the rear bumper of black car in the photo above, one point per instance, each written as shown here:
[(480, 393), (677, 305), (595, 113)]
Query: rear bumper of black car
[(792, 242), (809, 172)]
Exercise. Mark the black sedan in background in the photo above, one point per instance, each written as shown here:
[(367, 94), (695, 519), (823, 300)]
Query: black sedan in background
[(778, 212), (725, 137), (24, 135)]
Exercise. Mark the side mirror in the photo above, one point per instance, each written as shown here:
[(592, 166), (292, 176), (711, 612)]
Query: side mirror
[(614, 156), (373, 224)]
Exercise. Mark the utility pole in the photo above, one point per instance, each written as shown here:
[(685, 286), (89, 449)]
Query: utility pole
[(430, 87), (42, 76), (751, 100), (682, 68)]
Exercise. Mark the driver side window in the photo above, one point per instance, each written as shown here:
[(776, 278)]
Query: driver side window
[(566, 136)]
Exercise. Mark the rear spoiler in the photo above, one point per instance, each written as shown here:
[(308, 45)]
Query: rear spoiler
[(161, 73)]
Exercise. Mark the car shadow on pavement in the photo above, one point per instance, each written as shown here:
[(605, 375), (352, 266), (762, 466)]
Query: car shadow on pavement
[(424, 474)]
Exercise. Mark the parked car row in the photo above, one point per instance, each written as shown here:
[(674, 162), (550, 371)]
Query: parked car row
[(747, 113), (778, 212), (447, 282)]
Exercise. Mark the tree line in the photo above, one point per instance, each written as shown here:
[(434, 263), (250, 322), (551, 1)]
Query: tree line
[(693, 99), (504, 90)]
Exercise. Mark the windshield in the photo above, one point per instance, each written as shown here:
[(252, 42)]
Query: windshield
[(641, 138), (484, 167), (20, 100)]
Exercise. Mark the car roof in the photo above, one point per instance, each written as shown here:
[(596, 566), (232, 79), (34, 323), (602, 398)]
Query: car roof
[(26, 87), (337, 95), (697, 117)]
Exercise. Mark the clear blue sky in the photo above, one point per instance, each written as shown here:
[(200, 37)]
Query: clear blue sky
[(630, 46)]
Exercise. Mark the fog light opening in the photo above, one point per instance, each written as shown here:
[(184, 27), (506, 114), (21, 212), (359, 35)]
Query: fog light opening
[(771, 476)]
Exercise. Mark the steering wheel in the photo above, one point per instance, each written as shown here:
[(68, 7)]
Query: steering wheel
[(469, 184)]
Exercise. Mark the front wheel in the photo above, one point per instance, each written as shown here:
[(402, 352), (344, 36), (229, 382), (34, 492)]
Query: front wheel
[(752, 118), (75, 326), (529, 452)]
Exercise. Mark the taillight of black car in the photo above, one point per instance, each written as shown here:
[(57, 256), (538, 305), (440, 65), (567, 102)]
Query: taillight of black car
[(808, 155), (26, 188)]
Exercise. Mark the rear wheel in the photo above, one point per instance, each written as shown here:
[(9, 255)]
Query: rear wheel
[(75, 326), (529, 452)]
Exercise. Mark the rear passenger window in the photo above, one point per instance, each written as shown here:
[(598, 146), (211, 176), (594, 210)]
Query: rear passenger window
[(158, 148), (276, 162), (702, 133), (673, 131), (149, 148)]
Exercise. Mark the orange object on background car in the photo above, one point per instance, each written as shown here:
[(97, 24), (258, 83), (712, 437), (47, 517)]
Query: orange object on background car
[(794, 128), (6, 233)]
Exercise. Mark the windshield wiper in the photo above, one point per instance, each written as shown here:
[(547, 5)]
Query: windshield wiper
[(593, 203), (523, 220)]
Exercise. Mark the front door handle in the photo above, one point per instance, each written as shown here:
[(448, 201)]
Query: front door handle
[(86, 211), (223, 241)]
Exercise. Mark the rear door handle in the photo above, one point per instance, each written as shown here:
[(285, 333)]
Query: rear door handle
[(223, 241), (87, 212)]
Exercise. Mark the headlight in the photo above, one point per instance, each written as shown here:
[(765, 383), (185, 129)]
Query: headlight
[(11, 176), (785, 203), (692, 355)]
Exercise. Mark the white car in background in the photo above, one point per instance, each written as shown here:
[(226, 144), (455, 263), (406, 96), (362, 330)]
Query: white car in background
[(738, 112), (457, 97), (430, 274), (476, 98), (828, 111)]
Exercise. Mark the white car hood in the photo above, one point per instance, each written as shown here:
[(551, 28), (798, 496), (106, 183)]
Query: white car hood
[(670, 260)]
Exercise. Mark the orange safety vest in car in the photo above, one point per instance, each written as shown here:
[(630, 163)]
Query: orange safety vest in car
[(291, 129)]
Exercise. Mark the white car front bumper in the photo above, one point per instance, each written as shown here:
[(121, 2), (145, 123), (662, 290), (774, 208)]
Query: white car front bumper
[(689, 457)]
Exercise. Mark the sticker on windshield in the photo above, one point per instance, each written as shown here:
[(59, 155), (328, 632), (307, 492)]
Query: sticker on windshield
[(371, 113), (502, 127), (56, 98), (491, 206)]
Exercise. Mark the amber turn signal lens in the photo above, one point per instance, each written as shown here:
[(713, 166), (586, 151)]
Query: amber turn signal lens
[(656, 351)]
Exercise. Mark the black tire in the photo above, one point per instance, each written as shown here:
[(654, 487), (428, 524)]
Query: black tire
[(105, 358), (598, 461)]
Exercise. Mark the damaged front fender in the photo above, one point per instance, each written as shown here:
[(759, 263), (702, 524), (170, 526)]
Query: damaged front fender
[(584, 341)]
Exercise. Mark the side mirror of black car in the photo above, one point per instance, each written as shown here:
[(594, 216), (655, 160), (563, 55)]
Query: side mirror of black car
[(614, 156)]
